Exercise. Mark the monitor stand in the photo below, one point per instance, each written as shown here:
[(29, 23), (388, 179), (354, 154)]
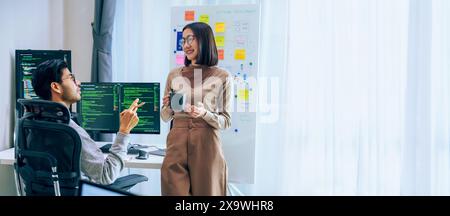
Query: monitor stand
[(101, 137)]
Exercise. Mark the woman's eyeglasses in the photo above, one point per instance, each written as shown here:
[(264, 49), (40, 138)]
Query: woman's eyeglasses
[(187, 40)]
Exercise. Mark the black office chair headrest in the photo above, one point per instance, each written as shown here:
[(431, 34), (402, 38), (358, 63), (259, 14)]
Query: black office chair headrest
[(45, 110)]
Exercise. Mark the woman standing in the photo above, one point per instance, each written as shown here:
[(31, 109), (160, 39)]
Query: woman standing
[(194, 162)]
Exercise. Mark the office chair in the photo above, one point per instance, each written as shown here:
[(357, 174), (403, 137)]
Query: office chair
[(48, 151)]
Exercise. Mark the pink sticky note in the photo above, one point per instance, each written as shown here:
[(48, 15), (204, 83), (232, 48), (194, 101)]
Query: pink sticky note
[(180, 59)]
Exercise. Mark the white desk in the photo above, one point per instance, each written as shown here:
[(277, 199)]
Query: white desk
[(152, 162), (7, 157)]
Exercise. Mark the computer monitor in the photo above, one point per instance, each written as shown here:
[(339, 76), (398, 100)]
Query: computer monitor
[(87, 188), (26, 62), (101, 104)]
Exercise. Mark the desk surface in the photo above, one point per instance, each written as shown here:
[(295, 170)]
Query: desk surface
[(7, 156), (152, 162)]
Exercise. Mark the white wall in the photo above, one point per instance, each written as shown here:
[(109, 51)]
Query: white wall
[(38, 24), (24, 24)]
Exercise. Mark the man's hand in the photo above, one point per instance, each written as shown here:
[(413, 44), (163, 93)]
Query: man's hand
[(196, 111), (129, 118)]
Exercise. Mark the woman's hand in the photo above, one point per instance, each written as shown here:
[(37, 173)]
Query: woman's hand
[(166, 100), (195, 111)]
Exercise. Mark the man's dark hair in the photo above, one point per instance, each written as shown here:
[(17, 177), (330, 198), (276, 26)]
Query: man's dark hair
[(207, 53), (46, 73)]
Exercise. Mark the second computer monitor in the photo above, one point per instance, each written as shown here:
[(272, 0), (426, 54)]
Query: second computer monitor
[(101, 104)]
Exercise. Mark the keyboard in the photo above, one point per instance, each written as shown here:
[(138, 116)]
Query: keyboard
[(133, 149), (130, 149), (159, 152)]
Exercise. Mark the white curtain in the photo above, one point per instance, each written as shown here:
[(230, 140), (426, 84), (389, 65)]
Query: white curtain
[(440, 98), (347, 67), (364, 100)]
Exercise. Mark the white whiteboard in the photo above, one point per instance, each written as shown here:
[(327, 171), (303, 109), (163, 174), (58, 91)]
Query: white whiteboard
[(236, 30)]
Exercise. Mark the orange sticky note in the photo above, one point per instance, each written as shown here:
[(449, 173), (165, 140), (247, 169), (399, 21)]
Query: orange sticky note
[(189, 15), (221, 53), (220, 27), (239, 54)]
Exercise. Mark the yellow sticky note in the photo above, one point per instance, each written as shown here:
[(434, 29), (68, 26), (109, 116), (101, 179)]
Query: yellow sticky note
[(204, 18), (220, 27), (239, 54), (220, 41), (243, 95)]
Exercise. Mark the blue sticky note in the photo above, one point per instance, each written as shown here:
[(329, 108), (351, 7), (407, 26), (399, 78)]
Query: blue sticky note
[(179, 37)]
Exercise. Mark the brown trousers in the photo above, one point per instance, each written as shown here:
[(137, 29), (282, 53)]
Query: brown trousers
[(194, 162)]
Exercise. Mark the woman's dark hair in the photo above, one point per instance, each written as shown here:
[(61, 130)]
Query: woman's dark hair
[(46, 73), (207, 53)]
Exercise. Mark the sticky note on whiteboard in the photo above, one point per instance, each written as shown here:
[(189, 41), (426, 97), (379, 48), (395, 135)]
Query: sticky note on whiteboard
[(220, 41), (243, 95), (204, 18), (179, 59), (189, 15), (220, 27), (221, 54), (239, 54)]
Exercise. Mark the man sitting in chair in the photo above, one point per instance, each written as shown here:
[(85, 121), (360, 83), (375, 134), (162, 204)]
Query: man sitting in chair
[(53, 81)]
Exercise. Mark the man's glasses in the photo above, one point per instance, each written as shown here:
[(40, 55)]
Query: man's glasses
[(72, 77), (187, 40)]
